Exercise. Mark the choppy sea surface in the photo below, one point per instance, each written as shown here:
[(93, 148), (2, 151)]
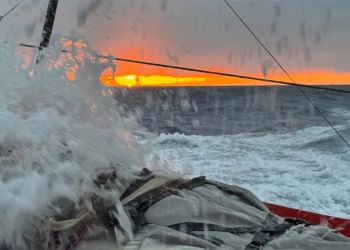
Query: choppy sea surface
[(56, 133), (269, 140)]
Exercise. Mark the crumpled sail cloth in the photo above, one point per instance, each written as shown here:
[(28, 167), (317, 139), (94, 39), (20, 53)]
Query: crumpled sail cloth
[(156, 211)]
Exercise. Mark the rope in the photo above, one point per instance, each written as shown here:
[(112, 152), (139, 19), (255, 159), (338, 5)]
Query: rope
[(288, 75), (12, 9), (120, 59)]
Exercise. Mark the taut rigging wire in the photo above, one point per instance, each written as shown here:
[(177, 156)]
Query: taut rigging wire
[(288, 75), (12, 9), (51, 16), (196, 70)]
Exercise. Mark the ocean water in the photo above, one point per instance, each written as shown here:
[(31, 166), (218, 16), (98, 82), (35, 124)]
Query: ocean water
[(269, 140), (56, 133)]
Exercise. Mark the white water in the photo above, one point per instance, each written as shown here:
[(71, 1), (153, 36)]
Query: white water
[(54, 134), (286, 169)]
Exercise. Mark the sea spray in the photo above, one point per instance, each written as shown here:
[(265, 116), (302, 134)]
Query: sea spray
[(54, 133)]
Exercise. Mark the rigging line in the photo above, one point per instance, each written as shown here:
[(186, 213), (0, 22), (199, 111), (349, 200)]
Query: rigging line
[(288, 75), (12, 9), (120, 59)]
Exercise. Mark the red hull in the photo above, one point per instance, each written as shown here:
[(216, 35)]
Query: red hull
[(340, 225)]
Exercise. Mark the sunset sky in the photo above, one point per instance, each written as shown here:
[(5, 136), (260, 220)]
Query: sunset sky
[(309, 37)]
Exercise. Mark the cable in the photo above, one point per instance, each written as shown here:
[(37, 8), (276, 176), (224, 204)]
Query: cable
[(287, 74), (298, 85), (120, 59), (12, 9)]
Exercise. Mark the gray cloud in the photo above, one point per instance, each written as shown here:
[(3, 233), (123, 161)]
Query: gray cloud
[(191, 31)]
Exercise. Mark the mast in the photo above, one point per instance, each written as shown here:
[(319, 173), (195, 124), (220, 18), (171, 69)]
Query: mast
[(48, 26)]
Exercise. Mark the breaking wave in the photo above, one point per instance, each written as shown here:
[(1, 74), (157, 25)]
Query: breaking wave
[(291, 168), (55, 133)]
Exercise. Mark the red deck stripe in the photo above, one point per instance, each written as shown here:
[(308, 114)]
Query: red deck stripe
[(339, 224)]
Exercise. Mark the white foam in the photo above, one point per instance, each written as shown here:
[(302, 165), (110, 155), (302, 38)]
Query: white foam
[(53, 134), (287, 169)]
